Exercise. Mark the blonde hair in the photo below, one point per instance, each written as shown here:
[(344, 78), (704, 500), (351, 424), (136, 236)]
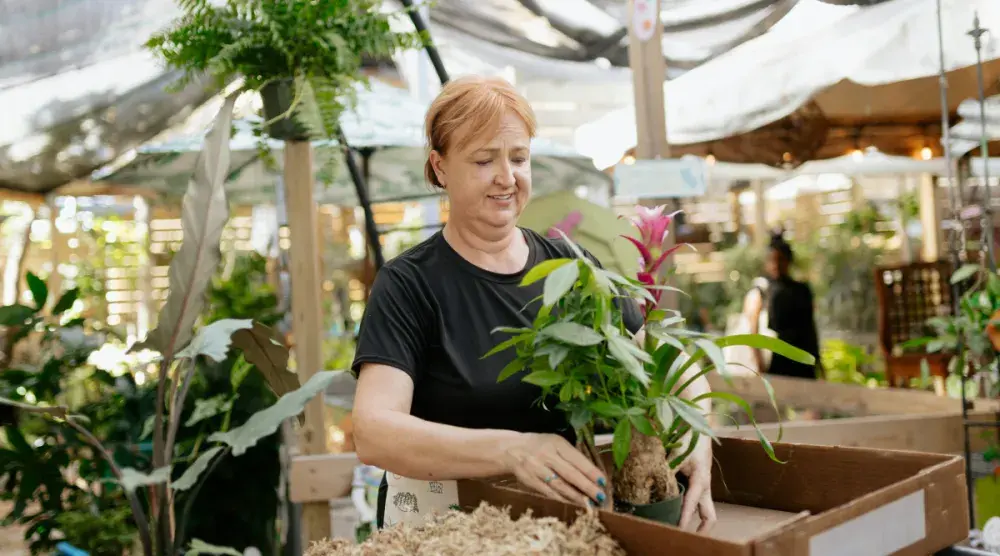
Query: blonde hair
[(479, 100)]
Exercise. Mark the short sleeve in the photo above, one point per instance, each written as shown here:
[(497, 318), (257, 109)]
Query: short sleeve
[(395, 325)]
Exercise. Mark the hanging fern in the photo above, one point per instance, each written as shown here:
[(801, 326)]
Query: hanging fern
[(316, 45)]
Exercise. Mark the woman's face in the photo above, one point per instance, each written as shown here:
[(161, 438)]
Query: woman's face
[(488, 178), (776, 265)]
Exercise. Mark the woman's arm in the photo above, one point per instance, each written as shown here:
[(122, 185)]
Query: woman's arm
[(388, 437), (752, 307)]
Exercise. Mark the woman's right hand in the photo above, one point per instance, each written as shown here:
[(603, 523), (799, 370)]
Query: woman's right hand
[(553, 467)]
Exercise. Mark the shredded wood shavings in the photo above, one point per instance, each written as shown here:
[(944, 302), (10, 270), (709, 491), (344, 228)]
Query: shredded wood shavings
[(488, 531)]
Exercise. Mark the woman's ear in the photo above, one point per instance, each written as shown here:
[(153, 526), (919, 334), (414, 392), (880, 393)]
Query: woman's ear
[(437, 162)]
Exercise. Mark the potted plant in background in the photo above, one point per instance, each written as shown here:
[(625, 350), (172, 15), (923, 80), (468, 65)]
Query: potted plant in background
[(579, 352), (304, 57)]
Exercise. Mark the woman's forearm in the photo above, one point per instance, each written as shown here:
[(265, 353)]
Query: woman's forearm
[(417, 449)]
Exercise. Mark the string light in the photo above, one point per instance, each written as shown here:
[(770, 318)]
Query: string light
[(857, 155), (710, 159), (629, 160), (926, 153)]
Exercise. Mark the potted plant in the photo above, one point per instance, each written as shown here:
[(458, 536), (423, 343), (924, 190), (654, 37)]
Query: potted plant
[(580, 354), (303, 56)]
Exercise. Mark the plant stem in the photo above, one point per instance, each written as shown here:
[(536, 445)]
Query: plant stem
[(142, 523), (590, 450)]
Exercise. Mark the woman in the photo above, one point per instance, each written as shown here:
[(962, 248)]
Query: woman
[(428, 409), (789, 306)]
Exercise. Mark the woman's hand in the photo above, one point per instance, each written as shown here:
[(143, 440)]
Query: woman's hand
[(698, 498), (552, 466)]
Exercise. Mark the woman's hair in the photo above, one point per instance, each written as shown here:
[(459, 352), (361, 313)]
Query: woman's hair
[(779, 244), (479, 100)]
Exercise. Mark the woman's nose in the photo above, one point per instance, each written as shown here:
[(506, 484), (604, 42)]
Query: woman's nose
[(506, 174)]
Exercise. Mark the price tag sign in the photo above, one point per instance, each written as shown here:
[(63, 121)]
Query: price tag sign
[(654, 179), (644, 16)]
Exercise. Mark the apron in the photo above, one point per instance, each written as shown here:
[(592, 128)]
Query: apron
[(413, 501)]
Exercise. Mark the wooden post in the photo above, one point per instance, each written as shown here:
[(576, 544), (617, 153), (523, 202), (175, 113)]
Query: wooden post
[(930, 219), (307, 311), (906, 251), (761, 237), (649, 72)]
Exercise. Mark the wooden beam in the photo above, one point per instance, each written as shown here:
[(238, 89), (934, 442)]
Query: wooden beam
[(307, 312), (930, 218), (34, 200), (855, 400), (321, 477)]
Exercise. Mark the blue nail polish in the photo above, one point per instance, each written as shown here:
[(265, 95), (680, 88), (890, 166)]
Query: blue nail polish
[(600, 497), (591, 503), (601, 482)]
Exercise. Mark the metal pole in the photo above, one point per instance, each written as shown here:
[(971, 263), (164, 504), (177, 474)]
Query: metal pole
[(421, 27), (977, 33), (957, 243), (371, 232)]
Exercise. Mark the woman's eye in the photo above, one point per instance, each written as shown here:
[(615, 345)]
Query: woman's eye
[(483, 162), (520, 160)]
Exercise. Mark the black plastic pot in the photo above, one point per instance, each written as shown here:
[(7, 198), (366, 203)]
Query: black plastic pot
[(664, 511), (277, 96)]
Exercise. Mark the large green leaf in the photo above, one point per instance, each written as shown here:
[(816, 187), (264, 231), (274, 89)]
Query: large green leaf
[(261, 349), (213, 341), (545, 378), (664, 414), (39, 291), (543, 269), (559, 282), (964, 273), (132, 479), (265, 422), (572, 333), (15, 315), (511, 369), (66, 301), (769, 343), (691, 414), (619, 349), (191, 474), (204, 214), (208, 408), (715, 355)]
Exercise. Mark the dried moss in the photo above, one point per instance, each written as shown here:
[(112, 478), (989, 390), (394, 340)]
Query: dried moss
[(488, 531), (645, 477)]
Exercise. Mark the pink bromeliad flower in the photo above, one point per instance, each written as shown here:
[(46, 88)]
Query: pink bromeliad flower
[(654, 228)]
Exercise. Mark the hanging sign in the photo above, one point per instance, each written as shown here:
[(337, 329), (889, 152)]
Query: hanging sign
[(665, 178), (644, 17)]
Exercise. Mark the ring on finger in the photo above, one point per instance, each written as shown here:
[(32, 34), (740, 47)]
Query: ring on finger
[(550, 478)]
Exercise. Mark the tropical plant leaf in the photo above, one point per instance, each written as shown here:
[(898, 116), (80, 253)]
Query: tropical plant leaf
[(66, 301), (606, 409), (39, 291), (964, 273), (201, 547), (204, 216), (208, 408), (265, 422), (15, 315), (664, 414), (132, 479), (239, 373), (622, 442), (263, 351), (618, 348), (769, 343), (572, 333), (715, 355), (543, 269), (511, 369), (642, 424), (559, 282), (147, 427), (506, 344), (190, 476), (545, 378), (213, 340), (691, 415)]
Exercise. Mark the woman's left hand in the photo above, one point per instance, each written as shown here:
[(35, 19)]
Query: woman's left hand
[(698, 498)]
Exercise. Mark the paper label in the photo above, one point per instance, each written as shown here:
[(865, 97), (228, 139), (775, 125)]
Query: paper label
[(880, 532)]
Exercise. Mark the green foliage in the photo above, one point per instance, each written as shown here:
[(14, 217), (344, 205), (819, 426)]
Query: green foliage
[(106, 533), (582, 357), (244, 293), (846, 363)]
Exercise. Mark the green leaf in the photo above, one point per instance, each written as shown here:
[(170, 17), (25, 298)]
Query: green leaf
[(692, 415), (132, 479), (576, 250), (557, 354), (543, 269), (545, 378), (715, 355), (512, 368), (208, 408), (579, 417), (559, 282), (39, 291), (15, 315), (239, 373), (205, 212), (769, 343), (572, 333), (622, 442), (199, 547), (606, 409), (511, 330), (507, 344), (191, 474), (618, 348), (17, 441), (964, 273), (642, 424), (264, 423), (566, 392), (665, 337), (213, 341), (147, 427), (664, 414), (727, 397), (57, 411), (66, 301), (264, 351)]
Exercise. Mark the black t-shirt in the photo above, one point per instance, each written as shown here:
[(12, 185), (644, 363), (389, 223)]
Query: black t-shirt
[(790, 316), (431, 315)]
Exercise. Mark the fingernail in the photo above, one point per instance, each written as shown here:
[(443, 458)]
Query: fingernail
[(601, 482), (591, 503), (600, 497)]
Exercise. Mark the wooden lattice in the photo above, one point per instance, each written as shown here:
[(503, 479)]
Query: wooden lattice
[(908, 296)]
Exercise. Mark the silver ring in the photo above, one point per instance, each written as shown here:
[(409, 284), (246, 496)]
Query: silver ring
[(550, 478)]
